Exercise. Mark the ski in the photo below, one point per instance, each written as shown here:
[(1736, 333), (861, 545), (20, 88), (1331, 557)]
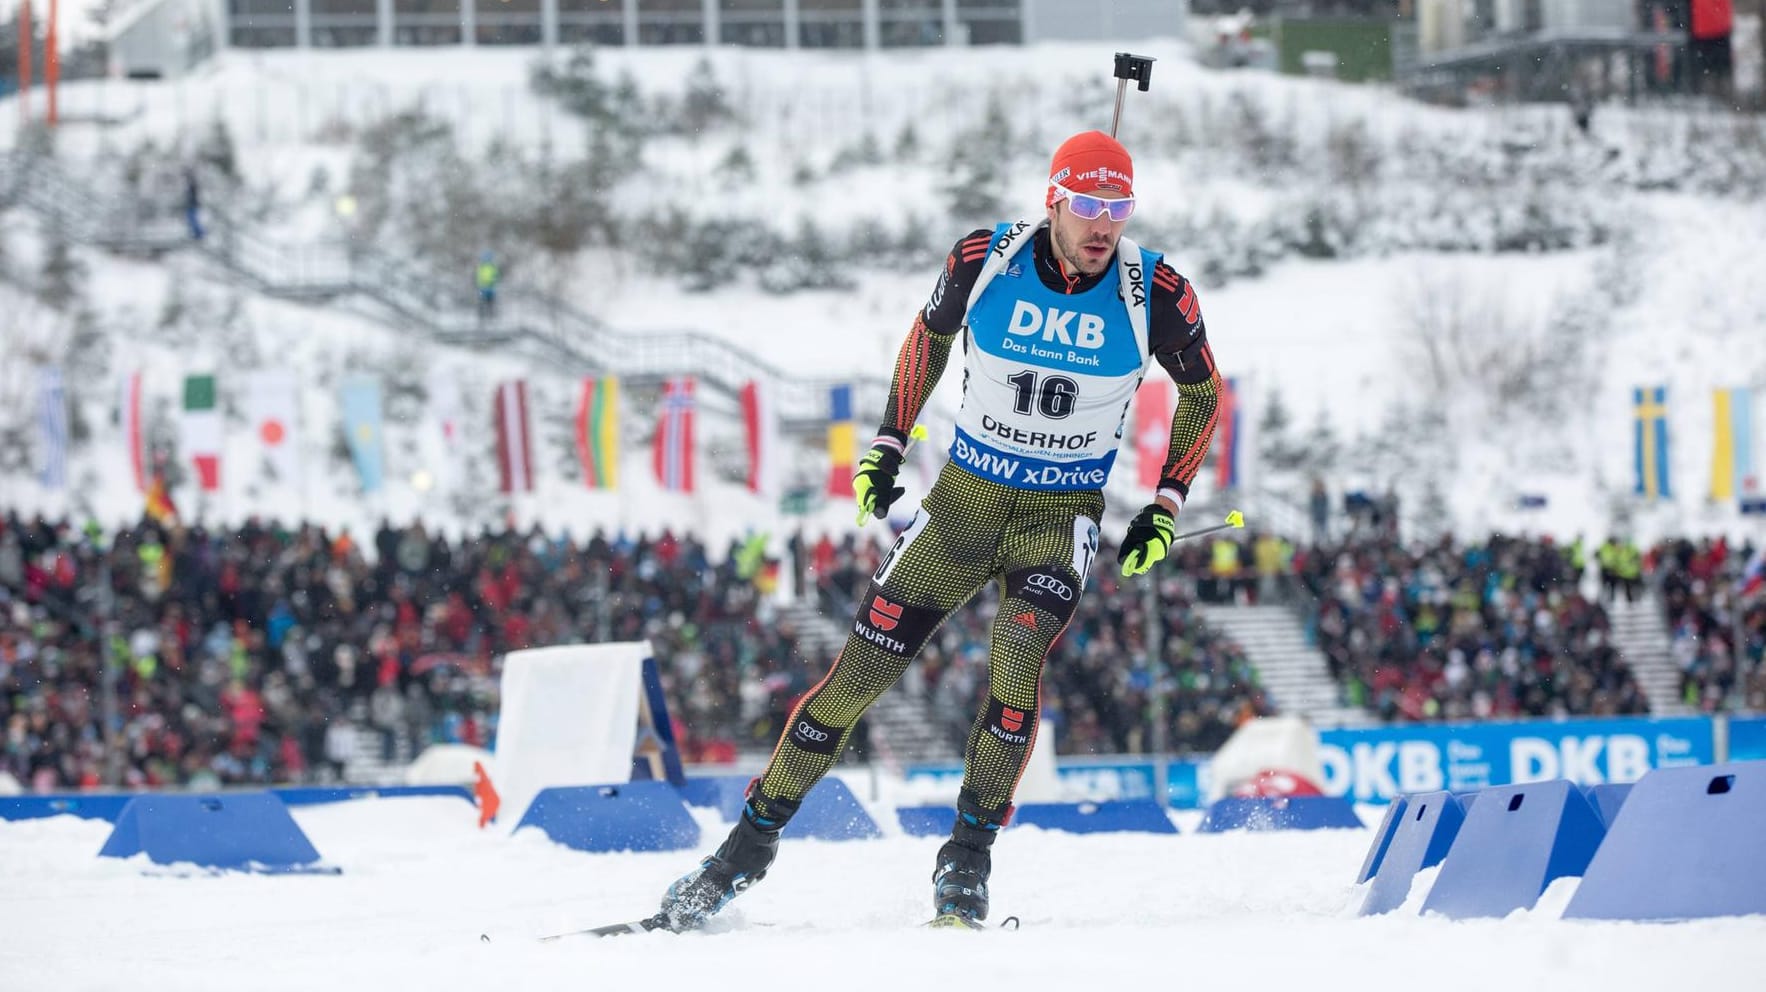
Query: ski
[(952, 921), (657, 922)]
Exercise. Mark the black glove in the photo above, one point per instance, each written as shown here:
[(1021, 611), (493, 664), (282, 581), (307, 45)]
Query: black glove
[(1148, 538), (873, 485)]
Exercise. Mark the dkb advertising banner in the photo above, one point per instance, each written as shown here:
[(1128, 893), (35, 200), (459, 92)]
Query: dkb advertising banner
[(1373, 765), (1085, 778), (1747, 738)]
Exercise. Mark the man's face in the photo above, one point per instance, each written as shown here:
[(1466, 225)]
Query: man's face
[(1084, 245)]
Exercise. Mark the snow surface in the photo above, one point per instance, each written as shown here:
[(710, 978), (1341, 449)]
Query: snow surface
[(420, 883)]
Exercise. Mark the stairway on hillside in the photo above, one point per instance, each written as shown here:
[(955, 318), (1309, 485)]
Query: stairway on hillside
[(1291, 670), (904, 728), (1640, 633)]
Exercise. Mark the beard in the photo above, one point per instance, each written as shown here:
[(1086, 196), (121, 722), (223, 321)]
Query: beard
[(1071, 245)]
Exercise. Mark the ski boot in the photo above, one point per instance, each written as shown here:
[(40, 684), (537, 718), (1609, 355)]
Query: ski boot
[(959, 880), (739, 862)]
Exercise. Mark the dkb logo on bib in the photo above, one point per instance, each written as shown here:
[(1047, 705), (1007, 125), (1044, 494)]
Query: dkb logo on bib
[(1056, 325)]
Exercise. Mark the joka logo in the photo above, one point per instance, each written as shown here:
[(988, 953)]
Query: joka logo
[(1137, 291), (1006, 240), (1028, 318), (884, 614), (1011, 719)]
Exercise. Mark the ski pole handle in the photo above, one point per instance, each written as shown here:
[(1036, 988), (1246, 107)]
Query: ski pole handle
[(1136, 67)]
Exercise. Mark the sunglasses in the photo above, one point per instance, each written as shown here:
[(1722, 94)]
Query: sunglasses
[(1088, 207)]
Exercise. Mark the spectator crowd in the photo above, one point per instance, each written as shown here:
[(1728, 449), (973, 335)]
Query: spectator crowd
[(265, 654), (257, 655), (1714, 600), (1451, 631)]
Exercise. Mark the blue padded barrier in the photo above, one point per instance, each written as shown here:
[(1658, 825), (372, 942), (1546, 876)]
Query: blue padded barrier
[(1125, 815), (311, 796), (829, 812), (926, 821), (832, 812), (1114, 816), (724, 793), (630, 816), (241, 831), (1516, 840), (1607, 800), (1382, 839), (1686, 845), (93, 806), (1431, 820), (1280, 813)]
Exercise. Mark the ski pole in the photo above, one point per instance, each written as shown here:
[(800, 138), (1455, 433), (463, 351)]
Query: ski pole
[(1136, 67), (1233, 519)]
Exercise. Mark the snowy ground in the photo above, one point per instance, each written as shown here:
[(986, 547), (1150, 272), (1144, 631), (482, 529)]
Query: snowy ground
[(420, 883)]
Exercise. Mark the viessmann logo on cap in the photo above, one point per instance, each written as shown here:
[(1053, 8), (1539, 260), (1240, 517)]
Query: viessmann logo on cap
[(1104, 173)]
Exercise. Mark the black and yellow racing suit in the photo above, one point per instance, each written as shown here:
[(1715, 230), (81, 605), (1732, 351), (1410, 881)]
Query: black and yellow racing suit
[(1036, 544)]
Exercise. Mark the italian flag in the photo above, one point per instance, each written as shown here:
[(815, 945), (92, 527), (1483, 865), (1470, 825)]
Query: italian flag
[(202, 430)]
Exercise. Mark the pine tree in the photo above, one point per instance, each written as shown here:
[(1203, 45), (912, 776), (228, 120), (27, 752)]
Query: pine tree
[(217, 150), (1322, 448), (1276, 449), (62, 279), (907, 143), (704, 105), (975, 186)]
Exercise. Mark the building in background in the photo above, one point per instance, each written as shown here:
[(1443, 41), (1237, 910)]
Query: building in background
[(1564, 50), (146, 41), (157, 39)]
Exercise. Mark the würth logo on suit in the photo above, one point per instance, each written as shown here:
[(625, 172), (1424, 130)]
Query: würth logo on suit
[(884, 614)]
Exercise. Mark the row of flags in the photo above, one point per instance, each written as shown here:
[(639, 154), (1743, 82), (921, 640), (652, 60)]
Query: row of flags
[(272, 400), (1734, 474)]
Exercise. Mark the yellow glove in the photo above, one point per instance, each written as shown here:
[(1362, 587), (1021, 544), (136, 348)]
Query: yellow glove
[(873, 485), (1149, 537)]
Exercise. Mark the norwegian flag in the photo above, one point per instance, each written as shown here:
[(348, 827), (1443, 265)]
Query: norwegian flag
[(672, 451)]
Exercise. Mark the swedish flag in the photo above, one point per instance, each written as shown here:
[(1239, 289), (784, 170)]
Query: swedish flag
[(1649, 442)]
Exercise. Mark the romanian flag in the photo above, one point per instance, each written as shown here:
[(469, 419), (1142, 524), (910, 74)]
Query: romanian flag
[(597, 432), (1732, 448), (1226, 463), (842, 441), (1649, 442)]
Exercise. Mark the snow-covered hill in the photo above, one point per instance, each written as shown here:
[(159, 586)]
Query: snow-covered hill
[(1464, 299)]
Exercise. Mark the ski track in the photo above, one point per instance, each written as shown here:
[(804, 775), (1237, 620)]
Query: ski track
[(420, 884)]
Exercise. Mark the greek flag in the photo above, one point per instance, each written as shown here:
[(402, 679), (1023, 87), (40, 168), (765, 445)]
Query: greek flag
[(52, 421)]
